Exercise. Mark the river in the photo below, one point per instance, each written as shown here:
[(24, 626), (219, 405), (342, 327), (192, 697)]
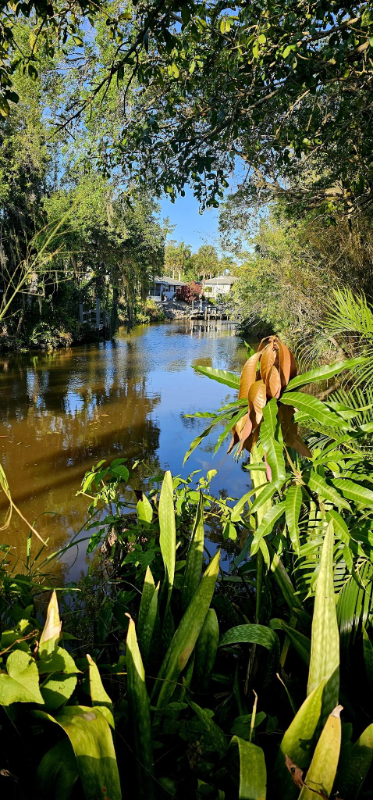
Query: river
[(62, 412)]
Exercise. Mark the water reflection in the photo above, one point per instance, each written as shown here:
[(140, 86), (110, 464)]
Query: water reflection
[(60, 413)]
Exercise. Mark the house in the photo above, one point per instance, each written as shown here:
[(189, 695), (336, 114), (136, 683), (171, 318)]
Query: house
[(164, 287), (217, 286)]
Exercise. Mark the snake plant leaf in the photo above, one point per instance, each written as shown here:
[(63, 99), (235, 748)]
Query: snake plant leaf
[(286, 587), (323, 768), (324, 373), (293, 504), (52, 629), (212, 733), (267, 524), (318, 484), (355, 766), (250, 634), (167, 537), (253, 773), (297, 743), (206, 649), (194, 559), (300, 642), (147, 615), (220, 375), (185, 637), (139, 706), (92, 742), (21, 683), (324, 662), (57, 772), (314, 408), (354, 491), (99, 696)]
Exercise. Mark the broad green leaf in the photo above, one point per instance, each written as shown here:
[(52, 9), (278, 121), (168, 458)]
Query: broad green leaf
[(92, 742), (167, 537), (314, 408), (57, 772), (57, 689), (58, 660), (319, 485), (293, 504), (21, 684), (185, 637), (297, 744), (52, 629), (139, 706), (355, 766), (144, 510), (270, 417), (267, 524), (324, 373), (205, 652), (252, 634), (301, 643), (253, 773), (147, 615), (354, 491), (100, 698), (220, 375), (194, 560), (324, 662), (323, 768), (214, 735)]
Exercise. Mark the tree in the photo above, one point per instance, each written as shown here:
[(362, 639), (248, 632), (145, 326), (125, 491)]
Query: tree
[(205, 263), (177, 258)]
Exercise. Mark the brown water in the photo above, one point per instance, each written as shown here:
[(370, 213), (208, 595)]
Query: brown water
[(61, 413)]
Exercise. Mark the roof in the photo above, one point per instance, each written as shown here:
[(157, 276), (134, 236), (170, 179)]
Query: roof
[(168, 281), (174, 282), (221, 280)]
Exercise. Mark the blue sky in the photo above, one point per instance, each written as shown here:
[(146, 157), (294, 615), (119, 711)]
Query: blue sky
[(191, 227)]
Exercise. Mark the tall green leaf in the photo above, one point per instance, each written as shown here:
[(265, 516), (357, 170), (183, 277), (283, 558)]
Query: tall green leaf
[(52, 629), (323, 768), (92, 742), (253, 773), (206, 649), (139, 706), (194, 559), (293, 504), (186, 635), (297, 744), (300, 642), (213, 734), (57, 772), (354, 491), (319, 485), (324, 662), (99, 696), (147, 615), (167, 537)]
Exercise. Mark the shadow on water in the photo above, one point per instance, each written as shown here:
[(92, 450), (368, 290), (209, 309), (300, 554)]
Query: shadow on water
[(60, 413)]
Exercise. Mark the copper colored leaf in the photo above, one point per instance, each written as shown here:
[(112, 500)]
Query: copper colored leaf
[(288, 367), (258, 398), (248, 375), (267, 360), (273, 382)]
